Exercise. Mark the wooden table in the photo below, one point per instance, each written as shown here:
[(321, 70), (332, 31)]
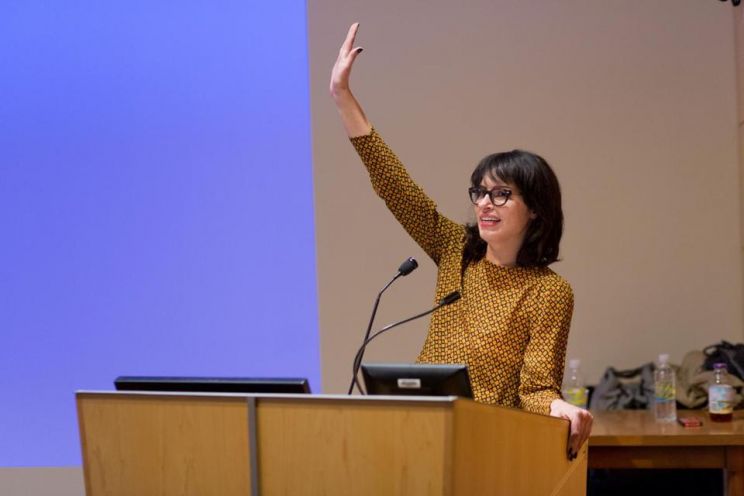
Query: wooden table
[(632, 439)]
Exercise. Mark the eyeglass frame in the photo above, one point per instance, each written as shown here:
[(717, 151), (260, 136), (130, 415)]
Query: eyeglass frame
[(483, 192)]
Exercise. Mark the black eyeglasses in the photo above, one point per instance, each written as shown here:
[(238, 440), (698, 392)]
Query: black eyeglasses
[(498, 196)]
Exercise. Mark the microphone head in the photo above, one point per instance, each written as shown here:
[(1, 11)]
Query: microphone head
[(450, 298), (408, 266)]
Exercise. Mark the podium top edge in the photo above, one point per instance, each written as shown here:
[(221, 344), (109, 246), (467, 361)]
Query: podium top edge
[(268, 396)]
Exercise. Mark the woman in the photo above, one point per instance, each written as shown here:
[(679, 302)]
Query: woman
[(511, 325)]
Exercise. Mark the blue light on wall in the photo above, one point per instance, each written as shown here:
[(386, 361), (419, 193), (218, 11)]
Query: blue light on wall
[(155, 203)]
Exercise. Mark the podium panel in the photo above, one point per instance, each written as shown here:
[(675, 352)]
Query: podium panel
[(514, 451), (233, 444), (360, 448), (161, 445)]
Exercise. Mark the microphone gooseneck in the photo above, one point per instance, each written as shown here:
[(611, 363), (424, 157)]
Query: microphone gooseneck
[(409, 265), (447, 300)]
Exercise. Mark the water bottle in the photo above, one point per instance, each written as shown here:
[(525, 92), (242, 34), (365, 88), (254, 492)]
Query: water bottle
[(574, 391), (720, 395), (665, 393)]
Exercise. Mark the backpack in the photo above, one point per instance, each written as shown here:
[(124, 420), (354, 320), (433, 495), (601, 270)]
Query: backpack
[(625, 389)]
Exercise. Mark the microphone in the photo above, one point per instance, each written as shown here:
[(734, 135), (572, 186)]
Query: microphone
[(409, 265), (447, 300)]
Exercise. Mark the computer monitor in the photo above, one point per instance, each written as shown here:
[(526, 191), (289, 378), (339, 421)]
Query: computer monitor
[(417, 379), (213, 384)]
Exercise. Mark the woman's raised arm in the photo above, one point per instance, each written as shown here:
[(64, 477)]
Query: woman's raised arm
[(352, 115)]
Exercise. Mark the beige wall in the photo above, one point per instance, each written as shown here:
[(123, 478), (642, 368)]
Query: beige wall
[(634, 104), (739, 49), (42, 481)]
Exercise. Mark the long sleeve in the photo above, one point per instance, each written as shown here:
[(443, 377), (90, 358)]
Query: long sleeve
[(542, 371), (413, 209)]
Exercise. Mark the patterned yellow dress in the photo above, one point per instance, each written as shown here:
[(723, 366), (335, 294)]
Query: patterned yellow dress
[(510, 327)]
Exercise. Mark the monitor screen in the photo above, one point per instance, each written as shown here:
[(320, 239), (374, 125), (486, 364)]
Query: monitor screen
[(213, 384), (417, 379)]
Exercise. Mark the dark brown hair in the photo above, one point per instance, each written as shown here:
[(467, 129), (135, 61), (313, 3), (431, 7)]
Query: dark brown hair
[(539, 187)]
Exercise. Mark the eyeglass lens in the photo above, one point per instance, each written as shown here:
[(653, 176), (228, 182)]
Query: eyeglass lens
[(497, 196)]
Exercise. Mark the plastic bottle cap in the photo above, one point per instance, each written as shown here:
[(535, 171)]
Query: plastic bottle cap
[(663, 358), (720, 366), (574, 363)]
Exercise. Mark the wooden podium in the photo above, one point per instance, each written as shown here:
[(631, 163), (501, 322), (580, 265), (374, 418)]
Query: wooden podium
[(231, 444)]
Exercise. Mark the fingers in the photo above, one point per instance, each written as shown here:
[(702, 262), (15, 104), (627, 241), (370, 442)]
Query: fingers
[(346, 56), (572, 446), (581, 427), (586, 421), (349, 41), (354, 54)]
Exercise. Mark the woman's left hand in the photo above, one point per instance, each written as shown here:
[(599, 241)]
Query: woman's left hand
[(581, 424)]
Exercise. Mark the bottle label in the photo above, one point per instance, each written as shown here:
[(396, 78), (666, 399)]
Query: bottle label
[(664, 392), (576, 396), (720, 398)]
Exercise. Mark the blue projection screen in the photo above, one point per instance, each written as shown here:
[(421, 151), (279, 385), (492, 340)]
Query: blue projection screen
[(155, 203)]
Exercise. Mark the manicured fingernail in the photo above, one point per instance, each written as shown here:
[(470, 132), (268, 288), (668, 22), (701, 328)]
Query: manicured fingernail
[(360, 50)]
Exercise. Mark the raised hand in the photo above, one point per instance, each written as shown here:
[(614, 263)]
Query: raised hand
[(342, 68), (352, 115)]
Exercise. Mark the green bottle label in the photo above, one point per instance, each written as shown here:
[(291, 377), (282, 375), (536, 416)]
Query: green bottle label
[(576, 396)]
